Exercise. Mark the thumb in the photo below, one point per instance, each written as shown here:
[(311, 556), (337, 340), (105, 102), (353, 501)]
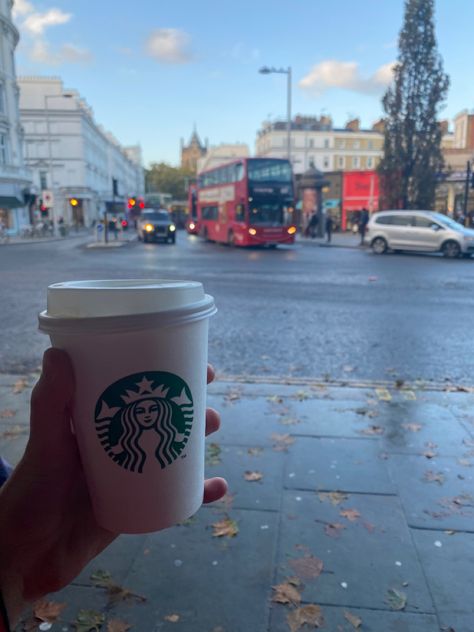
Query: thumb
[(51, 402)]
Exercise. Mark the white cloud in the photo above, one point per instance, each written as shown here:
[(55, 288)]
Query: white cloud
[(345, 75), (36, 23), (169, 46), (42, 53), (22, 7)]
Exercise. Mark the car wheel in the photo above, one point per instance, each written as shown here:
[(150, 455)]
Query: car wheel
[(451, 249), (379, 246)]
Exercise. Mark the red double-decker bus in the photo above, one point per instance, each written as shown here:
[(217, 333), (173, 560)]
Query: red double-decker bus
[(247, 202)]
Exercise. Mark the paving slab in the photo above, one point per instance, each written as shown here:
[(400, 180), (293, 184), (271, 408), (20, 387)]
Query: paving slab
[(448, 561), (352, 465), (255, 475), (436, 493), (364, 554), (210, 583), (372, 620)]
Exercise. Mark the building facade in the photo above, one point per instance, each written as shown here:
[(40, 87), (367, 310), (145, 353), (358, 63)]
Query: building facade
[(192, 152), (16, 193), (79, 168), (221, 154), (314, 141)]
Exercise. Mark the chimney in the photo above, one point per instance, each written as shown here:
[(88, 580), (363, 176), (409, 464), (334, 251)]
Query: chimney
[(353, 125), (379, 126), (444, 126)]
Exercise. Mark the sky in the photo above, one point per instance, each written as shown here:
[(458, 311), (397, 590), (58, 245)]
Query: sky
[(153, 70)]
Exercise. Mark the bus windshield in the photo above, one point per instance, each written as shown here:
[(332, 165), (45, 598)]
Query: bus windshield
[(263, 170), (265, 212)]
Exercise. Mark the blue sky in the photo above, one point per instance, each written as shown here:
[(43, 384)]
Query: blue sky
[(150, 70)]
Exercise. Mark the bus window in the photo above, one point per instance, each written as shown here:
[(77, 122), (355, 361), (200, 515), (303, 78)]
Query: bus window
[(239, 171), (240, 213)]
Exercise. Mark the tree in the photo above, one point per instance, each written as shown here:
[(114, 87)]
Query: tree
[(163, 178), (412, 137)]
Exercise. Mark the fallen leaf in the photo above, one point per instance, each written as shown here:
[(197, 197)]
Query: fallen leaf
[(372, 430), (336, 498), (287, 592), (275, 399), (307, 567), (396, 599), (333, 529), (48, 611), (356, 622), (289, 421), (409, 395), (213, 451), (309, 615), (255, 451), (301, 395), (465, 462), (7, 413), (253, 476), (115, 592), (351, 514), (88, 620), (226, 527), (232, 395), (172, 618), (434, 477), (20, 385), (412, 427), (383, 394), (282, 442), (117, 625), (14, 431)]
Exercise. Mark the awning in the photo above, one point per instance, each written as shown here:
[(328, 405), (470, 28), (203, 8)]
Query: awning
[(11, 195)]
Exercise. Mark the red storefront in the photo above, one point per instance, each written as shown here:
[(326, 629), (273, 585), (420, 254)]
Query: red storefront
[(360, 189)]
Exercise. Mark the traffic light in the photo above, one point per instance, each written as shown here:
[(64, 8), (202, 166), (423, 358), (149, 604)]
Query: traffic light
[(132, 203), (73, 202), (43, 209)]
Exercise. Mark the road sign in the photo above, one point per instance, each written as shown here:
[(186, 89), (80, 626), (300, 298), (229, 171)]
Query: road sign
[(48, 198)]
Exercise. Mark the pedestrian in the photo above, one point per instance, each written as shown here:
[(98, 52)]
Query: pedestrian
[(313, 225), (48, 531), (364, 220), (329, 226)]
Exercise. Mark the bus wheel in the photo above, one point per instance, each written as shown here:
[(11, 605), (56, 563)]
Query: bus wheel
[(230, 238)]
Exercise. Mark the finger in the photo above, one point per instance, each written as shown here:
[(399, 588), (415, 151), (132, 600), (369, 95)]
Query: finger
[(51, 400), (213, 421), (214, 488), (211, 374)]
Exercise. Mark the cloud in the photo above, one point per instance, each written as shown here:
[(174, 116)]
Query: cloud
[(22, 7), (36, 23), (41, 53), (345, 75), (169, 46)]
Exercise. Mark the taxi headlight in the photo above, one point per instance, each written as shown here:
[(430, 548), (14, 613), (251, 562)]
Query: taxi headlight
[(172, 228), (149, 228), (252, 231)]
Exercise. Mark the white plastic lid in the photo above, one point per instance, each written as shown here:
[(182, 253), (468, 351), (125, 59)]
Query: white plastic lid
[(123, 297)]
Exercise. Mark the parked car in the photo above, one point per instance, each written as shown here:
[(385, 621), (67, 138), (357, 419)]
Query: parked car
[(420, 231), (156, 225)]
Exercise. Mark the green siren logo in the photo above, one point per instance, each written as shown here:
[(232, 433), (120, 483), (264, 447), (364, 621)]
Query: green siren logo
[(132, 408)]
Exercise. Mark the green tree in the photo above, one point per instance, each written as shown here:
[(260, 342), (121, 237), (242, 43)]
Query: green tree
[(164, 178), (412, 139)]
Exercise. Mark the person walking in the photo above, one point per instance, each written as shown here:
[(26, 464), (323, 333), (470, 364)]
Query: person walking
[(364, 220), (313, 226), (329, 227)]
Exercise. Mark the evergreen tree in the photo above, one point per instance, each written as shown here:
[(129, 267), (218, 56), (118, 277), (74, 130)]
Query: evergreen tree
[(412, 141)]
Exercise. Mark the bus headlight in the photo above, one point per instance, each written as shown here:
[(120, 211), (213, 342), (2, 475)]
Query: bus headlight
[(172, 228), (192, 226), (252, 232), (149, 228), (292, 230)]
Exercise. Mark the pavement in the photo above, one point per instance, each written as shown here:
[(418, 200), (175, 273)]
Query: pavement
[(338, 240), (351, 507), (88, 234)]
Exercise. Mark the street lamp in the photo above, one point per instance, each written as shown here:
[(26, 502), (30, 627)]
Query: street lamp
[(266, 70), (66, 95)]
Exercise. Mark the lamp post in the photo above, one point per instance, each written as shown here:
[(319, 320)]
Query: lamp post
[(65, 95), (266, 70)]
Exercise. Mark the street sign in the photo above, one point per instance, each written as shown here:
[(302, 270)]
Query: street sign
[(48, 198)]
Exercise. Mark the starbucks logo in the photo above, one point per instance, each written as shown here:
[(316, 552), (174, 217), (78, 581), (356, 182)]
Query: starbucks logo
[(140, 407)]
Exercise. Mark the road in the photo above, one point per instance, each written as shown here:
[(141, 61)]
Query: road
[(301, 311)]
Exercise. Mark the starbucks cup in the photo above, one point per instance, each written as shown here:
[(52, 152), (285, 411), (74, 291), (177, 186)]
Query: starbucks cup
[(139, 352)]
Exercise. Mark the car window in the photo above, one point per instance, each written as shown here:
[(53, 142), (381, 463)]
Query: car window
[(155, 216), (424, 222), (384, 219), (402, 220)]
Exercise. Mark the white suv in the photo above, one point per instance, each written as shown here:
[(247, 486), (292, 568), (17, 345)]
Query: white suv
[(421, 231)]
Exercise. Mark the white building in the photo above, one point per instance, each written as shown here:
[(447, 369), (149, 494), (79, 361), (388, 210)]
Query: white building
[(72, 157), (315, 141), (221, 154), (15, 180)]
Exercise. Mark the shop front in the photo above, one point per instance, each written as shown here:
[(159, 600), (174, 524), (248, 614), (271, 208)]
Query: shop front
[(360, 190)]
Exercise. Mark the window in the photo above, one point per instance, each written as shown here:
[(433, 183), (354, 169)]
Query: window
[(340, 162), (356, 162), (326, 143), (43, 180), (326, 162), (356, 144), (384, 219), (370, 163), (210, 212), (341, 143), (424, 222), (310, 161), (240, 213), (260, 169), (3, 149), (403, 220), (370, 144), (311, 142)]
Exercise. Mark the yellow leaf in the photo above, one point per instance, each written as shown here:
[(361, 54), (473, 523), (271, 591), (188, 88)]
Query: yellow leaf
[(309, 615), (307, 567), (116, 625), (356, 622), (172, 618), (383, 394), (351, 514), (226, 527), (253, 476), (287, 592), (20, 385), (48, 611)]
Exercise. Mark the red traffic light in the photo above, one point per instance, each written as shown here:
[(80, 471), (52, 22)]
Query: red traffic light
[(124, 223), (141, 204)]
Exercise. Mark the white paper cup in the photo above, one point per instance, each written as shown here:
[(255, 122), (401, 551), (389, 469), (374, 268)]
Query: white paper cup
[(139, 353)]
